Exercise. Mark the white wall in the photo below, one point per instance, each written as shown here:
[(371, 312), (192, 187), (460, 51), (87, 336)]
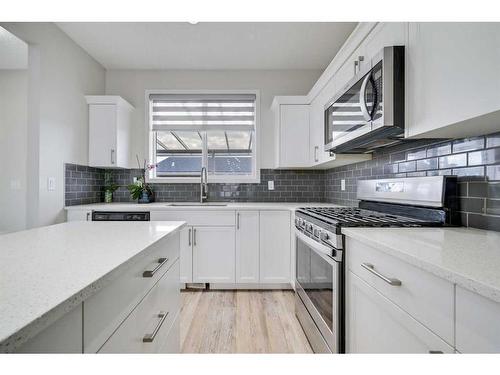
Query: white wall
[(60, 74), (13, 148), (131, 85)]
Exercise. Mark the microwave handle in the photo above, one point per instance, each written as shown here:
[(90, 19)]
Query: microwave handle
[(362, 100)]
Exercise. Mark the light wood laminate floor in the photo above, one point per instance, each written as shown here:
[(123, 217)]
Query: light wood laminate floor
[(240, 322)]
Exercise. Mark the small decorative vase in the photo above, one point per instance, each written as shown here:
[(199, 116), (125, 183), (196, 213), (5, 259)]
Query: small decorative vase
[(146, 197), (108, 196)]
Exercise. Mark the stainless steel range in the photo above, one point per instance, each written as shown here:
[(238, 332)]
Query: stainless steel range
[(320, 250)]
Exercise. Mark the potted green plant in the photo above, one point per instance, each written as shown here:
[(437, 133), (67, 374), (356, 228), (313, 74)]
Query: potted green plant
[(109, 186), (140, 190)]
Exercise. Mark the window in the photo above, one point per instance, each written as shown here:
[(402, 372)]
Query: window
[(217, 131)]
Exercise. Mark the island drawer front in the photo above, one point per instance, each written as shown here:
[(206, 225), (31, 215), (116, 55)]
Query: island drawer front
[(197, 218), (158, 311), (106, 310), (477, 322), (427, 298)]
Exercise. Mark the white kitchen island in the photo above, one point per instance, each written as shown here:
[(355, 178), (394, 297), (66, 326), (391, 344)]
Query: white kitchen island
[(91, 287)]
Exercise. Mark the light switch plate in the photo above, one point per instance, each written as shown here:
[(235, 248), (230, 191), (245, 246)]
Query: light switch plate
[(51, 183), (342, 184), (270, 185)]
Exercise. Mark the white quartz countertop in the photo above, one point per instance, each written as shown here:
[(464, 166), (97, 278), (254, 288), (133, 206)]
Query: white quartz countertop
[(177, 206), (465, 256), (46, 272)]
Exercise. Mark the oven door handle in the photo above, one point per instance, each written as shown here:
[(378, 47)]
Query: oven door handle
[(322, 250)]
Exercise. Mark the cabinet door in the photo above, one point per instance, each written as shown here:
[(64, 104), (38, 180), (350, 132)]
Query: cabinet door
[(451, 75), (294, 136), (385, 34), (213, 255), (477, 323), (186, 255), (62, 336), (247, 247), (78, 215), (102, 135), (376, 325), (275, 251)]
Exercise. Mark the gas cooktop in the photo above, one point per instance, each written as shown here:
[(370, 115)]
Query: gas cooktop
[(354, 217)]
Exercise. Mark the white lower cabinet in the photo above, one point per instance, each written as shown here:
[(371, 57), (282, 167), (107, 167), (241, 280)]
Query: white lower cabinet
[(477, 323), (78, 215), (213, 255), (62, 336), (186, 255), (147, 328), (376, 325), (247, 247), (275, 251)]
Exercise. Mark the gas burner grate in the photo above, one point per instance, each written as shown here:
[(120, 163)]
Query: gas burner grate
[(351, 216)]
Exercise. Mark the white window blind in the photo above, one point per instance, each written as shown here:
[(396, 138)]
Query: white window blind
[(202, 112)]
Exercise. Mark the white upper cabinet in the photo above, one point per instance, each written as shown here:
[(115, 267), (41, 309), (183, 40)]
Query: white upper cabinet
[(453, 87), (385, 34), (109, 131), (291, 133)]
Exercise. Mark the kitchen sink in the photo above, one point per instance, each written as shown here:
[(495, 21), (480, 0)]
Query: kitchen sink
[(197, 204)]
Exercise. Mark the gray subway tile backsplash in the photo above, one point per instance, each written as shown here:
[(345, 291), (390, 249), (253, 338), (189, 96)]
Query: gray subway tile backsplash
[(438, 150), (451, 161), (493, 140), (468, 144), (479, 193), (426, 164), (483, 157)]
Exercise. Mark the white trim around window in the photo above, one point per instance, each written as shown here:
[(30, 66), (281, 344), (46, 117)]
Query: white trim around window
[(151, 141)]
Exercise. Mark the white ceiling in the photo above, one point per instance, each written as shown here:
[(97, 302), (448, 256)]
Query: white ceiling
[(214, 45), (13, 51)]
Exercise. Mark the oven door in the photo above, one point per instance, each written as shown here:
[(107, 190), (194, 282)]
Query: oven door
[(318, 285)]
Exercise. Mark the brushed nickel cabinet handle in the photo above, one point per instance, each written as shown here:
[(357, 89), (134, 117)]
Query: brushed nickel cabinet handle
[(238, 221), (316, 148), (356, 64), (149, 337), (88, 216), (194, 236), (112, 156), (436, 352), (189, 236), (150, 273), (389, 280)]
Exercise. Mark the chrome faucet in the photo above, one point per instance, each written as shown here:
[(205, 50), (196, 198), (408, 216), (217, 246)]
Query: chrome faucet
[(203, 185)]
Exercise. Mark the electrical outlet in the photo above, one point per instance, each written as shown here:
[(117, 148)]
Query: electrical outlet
[(270, 185), (342, 184), (51, 183)]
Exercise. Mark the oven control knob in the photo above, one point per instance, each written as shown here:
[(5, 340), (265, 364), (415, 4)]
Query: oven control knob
[(324, 236)]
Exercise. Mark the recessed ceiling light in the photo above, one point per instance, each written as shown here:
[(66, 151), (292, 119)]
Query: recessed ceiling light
[(192, 22)]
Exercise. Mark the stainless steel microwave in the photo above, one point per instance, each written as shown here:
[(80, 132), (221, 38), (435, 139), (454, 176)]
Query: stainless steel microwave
[(370, 112)]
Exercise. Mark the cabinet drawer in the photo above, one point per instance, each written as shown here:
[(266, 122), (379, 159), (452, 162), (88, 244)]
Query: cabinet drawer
[(157, 312), (104, 311), (425, 297), (478, 323), (197, 218), (374, 324)]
